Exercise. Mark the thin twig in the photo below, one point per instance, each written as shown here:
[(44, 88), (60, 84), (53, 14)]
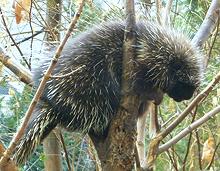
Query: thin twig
[(213, 42), (168, 120), (199, 150), (41, 87), (201, 96), (68, 74), (65, 151), (189, 129), (32, 32), (29, 37), (39, 16), (49, 29), (171, 159), (12, 39), (189, 141), (174, 159)]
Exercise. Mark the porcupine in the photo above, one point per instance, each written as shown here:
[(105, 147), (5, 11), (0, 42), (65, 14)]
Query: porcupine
[(87, 98)]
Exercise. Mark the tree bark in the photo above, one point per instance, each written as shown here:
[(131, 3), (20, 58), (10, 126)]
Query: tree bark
[(54, 10), (116, 151), (53, 154), (51, 143)]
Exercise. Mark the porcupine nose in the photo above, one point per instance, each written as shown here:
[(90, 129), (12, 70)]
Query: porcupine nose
[(181, 92)]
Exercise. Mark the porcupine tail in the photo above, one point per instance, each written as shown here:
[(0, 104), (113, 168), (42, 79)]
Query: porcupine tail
[(41, 124)]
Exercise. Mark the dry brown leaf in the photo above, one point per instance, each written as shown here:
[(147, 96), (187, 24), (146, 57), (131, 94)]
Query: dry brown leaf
[(208, 150), (18, 10), (2, 149), (22, 10)]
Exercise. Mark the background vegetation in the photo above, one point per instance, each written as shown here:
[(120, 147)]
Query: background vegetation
[(187, 15)]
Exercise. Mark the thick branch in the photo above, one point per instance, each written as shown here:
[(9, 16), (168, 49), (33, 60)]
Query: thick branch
[(141, 134), (51, 145), (10, 165), (23, 74), (128, 51), (208, 24), (166, 17), (154, 126), (52, 152)]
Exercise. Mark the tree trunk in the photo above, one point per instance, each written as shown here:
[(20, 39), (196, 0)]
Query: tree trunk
[(53, 154), (51, 144), (116, 151)]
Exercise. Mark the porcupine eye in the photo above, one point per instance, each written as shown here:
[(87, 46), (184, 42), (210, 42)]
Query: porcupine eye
[(180, 87)]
